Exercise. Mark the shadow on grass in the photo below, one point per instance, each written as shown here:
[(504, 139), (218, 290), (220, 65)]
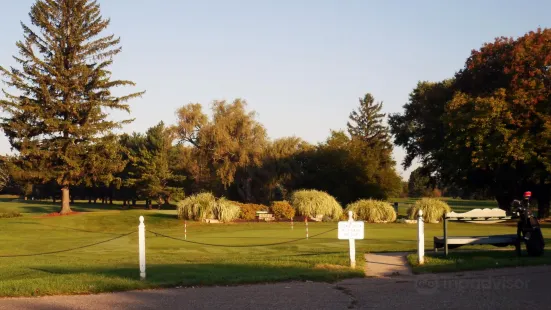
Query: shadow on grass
[(472, 204), (164, 216), (171, 275), (475, 260)]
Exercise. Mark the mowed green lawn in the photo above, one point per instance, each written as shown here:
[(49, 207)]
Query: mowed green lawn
[(238, 252)]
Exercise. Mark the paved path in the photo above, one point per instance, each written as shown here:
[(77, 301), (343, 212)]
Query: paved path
[(384, 265), (510, 288)]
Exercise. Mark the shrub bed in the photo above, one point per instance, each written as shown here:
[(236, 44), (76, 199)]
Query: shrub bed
[(282, 210), (197, 207), (316, 204), (433, 209), (372, 211), (205, 206), (248, 210)]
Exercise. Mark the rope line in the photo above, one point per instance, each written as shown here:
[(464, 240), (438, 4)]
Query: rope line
[(239, 246), (68, 228), (67, 250)]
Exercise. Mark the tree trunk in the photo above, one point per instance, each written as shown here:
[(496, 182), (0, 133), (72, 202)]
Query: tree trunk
[(65, 207), (504, 201), (133, 202), (53, 198)]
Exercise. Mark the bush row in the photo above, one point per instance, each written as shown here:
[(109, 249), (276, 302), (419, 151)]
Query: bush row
[(316, 205)]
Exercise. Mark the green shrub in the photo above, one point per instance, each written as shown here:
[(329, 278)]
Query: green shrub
[(225, 210), (372, 211), (6, 214), (197, 207), (283, 210), (433, 209), (248, 210), (316, 204)]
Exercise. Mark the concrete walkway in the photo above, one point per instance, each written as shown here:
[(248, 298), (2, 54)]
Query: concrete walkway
[(508, 288), (383, 265)]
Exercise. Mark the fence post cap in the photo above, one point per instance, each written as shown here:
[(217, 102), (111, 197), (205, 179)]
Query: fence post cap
[(141, 219), (420, 212)]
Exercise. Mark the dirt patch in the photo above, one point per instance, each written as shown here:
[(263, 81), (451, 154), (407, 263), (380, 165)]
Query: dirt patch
[(59, 214)]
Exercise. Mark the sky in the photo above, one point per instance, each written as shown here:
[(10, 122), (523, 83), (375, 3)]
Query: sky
[(301, 65)]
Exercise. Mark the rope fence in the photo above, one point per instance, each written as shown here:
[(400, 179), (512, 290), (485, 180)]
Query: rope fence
[(67, 250), (238, 246), (118, 236)]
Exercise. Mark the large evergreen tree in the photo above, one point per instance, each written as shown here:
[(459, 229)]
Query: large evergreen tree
[(371, 148), (154, 175), (57, 117), (367, 125)]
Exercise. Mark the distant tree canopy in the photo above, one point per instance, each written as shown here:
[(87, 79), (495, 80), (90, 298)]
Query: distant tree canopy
[(419, 184), (489, 127), (230, 154)]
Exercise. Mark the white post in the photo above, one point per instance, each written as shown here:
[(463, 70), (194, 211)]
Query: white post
[(351, 242), (185, 230), (420, 238), (141, 234), (306, 222)]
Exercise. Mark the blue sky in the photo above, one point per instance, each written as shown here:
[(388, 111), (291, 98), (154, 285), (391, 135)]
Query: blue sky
[(300, 64)]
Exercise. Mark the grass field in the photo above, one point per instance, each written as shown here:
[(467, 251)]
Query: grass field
[(236, 254)]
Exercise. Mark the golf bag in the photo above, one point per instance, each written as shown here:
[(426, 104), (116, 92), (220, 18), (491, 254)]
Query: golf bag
[(528, 227)]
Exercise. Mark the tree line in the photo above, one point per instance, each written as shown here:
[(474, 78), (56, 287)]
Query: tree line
[(485, 132), (56, 120), (231, 155)]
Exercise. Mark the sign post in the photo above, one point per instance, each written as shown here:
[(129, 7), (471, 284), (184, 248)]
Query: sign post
[(351, 230)]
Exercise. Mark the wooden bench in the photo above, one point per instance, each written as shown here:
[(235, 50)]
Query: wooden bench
[(486, 216)]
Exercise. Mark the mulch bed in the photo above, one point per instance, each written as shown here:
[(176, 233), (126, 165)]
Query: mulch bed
[(59, 214)]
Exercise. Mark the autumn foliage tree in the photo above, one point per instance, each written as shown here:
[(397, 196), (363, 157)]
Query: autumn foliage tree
[(489, 126), (57, 119)]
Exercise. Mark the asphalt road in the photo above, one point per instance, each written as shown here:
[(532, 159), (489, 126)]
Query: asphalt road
[(511, 288)]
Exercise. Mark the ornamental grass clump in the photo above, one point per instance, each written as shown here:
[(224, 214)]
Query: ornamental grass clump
[(225, 210), (433, 209), (197, 207), (316, 204), (205, 206), (372, 211)]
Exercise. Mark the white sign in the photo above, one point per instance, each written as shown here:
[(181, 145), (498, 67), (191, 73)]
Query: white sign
[(351, 230)]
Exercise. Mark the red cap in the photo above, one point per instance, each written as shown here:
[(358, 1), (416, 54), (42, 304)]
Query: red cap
[(527, 194)]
